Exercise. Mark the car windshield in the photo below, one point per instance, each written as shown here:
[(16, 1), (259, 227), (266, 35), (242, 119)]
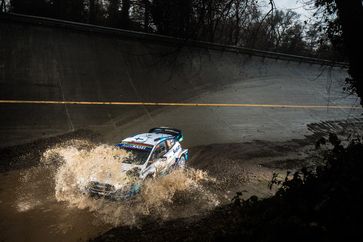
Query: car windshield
[(135, 156)]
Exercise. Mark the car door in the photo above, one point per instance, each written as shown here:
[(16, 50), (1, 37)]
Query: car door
[(158, 157), (172, 152)]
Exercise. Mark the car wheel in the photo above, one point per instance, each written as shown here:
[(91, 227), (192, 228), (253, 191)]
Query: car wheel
[(150, 176), (181, 162)]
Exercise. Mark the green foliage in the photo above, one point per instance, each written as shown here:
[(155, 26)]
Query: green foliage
[(319, 204)]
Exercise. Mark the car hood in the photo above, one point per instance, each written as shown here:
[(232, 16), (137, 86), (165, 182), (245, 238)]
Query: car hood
[(126, 167), (118, 183)]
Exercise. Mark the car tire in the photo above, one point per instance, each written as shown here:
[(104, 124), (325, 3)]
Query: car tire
[(150, 176), (181, 162)]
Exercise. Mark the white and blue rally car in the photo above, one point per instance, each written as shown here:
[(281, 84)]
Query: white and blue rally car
[(151, 154)]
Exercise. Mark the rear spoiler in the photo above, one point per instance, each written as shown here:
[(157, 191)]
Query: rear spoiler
[(171, 131)]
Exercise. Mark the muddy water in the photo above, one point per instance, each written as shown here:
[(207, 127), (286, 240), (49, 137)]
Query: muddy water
[(30, 212), (46, 203)]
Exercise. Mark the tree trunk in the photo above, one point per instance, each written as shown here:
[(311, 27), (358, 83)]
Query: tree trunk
[(351, 17), (2, 7), (146, 15), (92, 12), (125, 13)]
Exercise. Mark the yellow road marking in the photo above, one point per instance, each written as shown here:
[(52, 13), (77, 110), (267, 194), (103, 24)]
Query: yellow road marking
[(178, 104)]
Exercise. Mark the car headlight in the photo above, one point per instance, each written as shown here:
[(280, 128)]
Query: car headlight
[(134, 172)]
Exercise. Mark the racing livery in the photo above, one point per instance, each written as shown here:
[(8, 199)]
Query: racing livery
[(151, 154)]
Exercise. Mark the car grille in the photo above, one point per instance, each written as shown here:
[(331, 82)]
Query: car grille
[(102, 189)]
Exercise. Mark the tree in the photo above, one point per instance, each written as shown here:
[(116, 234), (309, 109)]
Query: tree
[(232, 22), (2, 6), (345, 19), (92, 11), (147, 9), (125, 13), (68, 9), (31, 7), (114, 13), (172, 17)]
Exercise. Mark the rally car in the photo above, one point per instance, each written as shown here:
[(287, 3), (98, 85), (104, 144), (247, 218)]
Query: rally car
[(150, 155)]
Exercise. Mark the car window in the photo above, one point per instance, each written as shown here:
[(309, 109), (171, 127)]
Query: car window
[(135, 156), (160, 150), (170, 143)]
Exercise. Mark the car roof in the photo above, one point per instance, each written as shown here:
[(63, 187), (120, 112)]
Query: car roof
[(147, 138)]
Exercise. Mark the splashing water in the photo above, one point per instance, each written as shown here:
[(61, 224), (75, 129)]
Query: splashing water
[(181, 193)]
